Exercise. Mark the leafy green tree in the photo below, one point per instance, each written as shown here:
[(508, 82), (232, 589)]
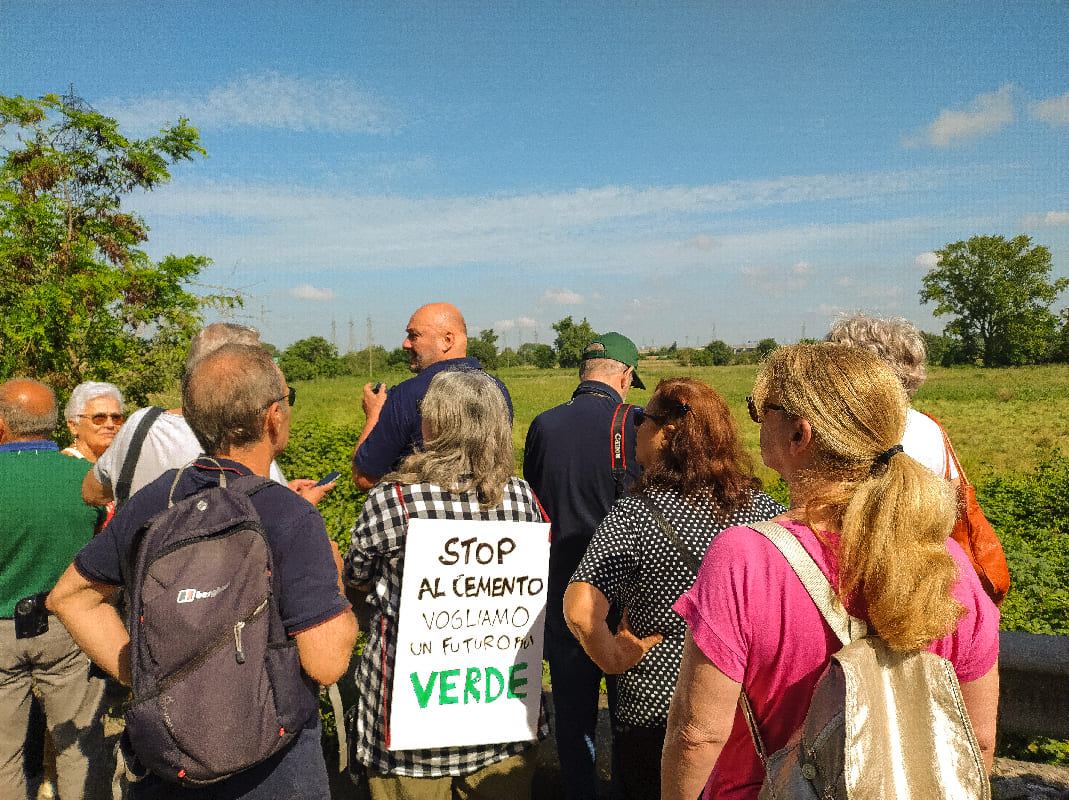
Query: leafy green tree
[(310, 358), (571, 340), (398, 358), (1000, 293), (484, 348), (766, 346), (359, 362), (719, 352), (80, 299)]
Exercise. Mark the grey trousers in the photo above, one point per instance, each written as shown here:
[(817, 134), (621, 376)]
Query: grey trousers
[(71, 698)]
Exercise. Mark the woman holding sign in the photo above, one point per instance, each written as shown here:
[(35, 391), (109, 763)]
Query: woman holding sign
[(456, 621), (696, 481)]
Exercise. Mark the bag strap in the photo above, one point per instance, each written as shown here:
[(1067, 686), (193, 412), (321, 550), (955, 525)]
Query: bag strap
[(688, 557), (952, 456), (846, 627), (133, 454), (618, 448)]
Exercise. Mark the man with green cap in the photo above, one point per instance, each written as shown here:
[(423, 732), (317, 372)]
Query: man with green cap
[(568, 461)]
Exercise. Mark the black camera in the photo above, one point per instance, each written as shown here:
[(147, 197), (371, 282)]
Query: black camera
[(31, 616)]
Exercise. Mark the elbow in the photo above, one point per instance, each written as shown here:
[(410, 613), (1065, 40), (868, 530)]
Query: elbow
[(363, 480)]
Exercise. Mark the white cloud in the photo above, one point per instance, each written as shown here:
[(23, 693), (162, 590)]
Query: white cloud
[(927, 261), (803, 268), (700, 242), (267, 100), (560, 297), (1053, 110), (308, 292), (1051, 219), (986, 114)]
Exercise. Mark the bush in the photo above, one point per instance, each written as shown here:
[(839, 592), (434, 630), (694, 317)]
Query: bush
[(1031, 515), (316, 448)]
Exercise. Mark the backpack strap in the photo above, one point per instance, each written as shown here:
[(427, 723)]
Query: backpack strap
[(133, 454), (845, 627), (617, 447), (688, 557)]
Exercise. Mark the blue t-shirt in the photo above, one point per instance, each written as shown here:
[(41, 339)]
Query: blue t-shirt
[(400, 428)]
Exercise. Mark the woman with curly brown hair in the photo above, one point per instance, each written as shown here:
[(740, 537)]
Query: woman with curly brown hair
[(697, 481)]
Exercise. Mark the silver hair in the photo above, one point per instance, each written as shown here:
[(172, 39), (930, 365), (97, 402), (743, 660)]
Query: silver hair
[(86, 392), (894, 339)]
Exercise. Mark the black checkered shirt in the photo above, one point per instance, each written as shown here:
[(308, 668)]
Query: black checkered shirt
[(376, 557)]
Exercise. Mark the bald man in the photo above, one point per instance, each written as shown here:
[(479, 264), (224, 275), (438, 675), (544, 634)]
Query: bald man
[(43, 523), (436, 340)]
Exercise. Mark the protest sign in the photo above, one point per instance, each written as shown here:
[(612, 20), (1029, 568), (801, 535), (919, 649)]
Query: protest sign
[(468, 665)]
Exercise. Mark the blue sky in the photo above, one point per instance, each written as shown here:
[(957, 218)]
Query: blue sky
[(675, 171)]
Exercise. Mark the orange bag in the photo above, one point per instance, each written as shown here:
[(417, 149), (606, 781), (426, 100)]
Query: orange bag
[(975, 534)]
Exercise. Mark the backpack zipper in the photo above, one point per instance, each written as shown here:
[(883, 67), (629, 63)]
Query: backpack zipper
[(222, 641)]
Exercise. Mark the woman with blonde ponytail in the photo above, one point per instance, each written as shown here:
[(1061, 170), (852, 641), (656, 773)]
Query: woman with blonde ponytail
[(875, 521)]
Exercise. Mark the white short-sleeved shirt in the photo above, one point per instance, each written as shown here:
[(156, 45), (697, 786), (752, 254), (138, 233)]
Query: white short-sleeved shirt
[(169, 444), (923, 442)]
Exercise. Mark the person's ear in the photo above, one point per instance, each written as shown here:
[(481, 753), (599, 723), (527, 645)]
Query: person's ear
[(3, 431), (73, 429), (448, 340), (801, 437)]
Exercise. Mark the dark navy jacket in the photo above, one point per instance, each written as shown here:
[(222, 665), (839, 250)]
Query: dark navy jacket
[(567, 460), (400, 428)]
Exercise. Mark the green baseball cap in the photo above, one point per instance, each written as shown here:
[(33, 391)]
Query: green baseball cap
[(618, 348)]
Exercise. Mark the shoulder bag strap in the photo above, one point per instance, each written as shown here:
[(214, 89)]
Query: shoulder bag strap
[(618, 448), (846, 627), (688, 557), (951, 455), (129, 464)]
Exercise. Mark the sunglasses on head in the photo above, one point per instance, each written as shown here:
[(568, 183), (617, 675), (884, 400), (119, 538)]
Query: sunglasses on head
[(758, 416), (100, 419)]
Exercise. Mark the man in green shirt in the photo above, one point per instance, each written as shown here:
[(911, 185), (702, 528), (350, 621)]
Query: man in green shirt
[(43, 524)]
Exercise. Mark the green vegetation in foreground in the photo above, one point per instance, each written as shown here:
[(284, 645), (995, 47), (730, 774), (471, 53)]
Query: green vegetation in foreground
[(1009, 426)]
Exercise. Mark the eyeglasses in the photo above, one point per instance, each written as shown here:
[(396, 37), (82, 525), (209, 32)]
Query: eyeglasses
[(291, 397), (642, 416), (757, 416), (100, 419)]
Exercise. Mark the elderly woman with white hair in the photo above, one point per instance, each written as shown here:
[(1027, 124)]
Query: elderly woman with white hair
[(94, 415), (900, 345)]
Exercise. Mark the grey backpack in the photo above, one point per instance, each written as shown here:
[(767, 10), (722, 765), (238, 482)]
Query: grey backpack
[(881, 724), (217, 684)]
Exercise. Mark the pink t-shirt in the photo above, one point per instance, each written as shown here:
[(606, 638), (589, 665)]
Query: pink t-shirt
[(751, 616)]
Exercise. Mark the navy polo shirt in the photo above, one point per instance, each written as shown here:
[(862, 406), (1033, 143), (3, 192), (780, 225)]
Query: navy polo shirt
[(567, 460), (400, 427)]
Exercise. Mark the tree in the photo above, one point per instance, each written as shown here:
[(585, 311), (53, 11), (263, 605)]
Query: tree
[(571, 340), (80, 300), (719, 352), (544, 357), (765, 347), (310, 358), (1000, 293), (484, 348)]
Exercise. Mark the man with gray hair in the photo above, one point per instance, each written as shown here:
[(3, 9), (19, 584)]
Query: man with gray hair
[(153, 441), (567, 461), (43, 523), (238, 405)]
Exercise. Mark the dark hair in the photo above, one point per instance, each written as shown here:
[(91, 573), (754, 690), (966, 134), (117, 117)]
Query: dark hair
[(227, 394), (702, 455)]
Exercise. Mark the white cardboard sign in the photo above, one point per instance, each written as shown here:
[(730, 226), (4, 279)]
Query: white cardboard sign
[(468, 665)]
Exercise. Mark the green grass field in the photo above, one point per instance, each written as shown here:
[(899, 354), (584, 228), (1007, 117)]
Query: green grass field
[(1000, 420)]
